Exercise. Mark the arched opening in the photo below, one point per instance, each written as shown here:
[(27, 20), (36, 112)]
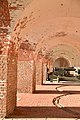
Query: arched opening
[(61, 62)]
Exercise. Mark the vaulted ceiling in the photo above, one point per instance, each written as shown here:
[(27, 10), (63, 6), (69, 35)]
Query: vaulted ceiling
[(44, 25)]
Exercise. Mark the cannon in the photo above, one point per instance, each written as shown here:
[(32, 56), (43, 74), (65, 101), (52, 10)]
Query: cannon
[(62, 73)]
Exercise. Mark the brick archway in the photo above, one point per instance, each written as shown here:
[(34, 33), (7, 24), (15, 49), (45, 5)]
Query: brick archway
[(61, 62), (8, 79)]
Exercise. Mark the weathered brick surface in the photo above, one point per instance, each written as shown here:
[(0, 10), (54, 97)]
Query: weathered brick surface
[(26, 76), (16, 7), (4, 13), (11, 83), (44, 72), (26, 70), (39, 72), (3, 79)]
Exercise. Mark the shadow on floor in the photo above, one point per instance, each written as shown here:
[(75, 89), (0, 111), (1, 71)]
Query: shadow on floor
[(56, 92), (44, 112), (63, 83)]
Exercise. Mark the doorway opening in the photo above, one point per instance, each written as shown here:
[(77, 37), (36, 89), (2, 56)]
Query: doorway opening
[(61, 62), (63, 73)]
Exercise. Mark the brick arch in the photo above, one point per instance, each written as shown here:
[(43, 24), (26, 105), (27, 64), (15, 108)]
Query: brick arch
[(66, 51), (36, 20), (46, 31), (60, 38), (61, 62), (8, 76)]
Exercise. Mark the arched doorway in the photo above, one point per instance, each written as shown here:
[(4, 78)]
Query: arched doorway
[(61, 62)]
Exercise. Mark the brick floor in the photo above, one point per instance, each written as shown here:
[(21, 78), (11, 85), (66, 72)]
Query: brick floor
[(40, 104)]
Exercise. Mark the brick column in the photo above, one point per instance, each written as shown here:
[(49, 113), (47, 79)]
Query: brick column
[(34, 77), (3, 79), (26, 71), (44, 72), (11, 83), (50, 65), (26, 78), (39, 72)]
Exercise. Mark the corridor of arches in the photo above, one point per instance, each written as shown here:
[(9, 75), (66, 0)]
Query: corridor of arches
[(36, 35)]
